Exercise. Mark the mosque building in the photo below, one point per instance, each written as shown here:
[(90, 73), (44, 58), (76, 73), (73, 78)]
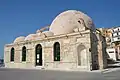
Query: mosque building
[(71, 43)]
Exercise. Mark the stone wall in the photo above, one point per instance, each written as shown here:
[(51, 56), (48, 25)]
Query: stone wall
[(68, 52), (98, 51)]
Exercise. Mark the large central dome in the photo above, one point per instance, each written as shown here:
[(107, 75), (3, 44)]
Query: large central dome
[(67, 21)]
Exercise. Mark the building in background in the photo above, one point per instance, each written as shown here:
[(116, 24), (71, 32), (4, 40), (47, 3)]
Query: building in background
[(115, 40), (112, 53), (107, 33), (112, 36)]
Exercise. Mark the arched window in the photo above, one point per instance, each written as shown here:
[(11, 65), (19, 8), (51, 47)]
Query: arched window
[(12, 54), (38, 53), (24, 53), (57, 51)]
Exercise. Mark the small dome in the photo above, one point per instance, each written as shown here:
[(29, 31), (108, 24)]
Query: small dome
[(38, 32), (31, 37), (67, 21), (19, 39)]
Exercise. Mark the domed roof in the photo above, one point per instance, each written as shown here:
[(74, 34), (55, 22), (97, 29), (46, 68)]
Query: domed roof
[(19, 39), (31, 37), (67, 21)]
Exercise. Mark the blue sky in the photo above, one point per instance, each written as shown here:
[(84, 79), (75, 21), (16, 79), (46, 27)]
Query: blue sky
[(22, 17)]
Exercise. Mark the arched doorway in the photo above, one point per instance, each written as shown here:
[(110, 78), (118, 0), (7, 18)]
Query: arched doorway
[(38, 55), (82, 57)]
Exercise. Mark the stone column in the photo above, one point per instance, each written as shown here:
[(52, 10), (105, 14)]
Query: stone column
[(100, 55)]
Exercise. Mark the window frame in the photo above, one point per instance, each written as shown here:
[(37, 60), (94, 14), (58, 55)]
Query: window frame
[(24, 50), (56, 51), (12, 54)]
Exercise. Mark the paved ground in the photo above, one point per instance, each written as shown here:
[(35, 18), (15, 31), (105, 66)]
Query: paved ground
[(16, 74), (22, 74), (111, 74)]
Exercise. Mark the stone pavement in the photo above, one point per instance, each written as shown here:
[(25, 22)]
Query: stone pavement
[(112, 67), (111, 73), (22, 74)]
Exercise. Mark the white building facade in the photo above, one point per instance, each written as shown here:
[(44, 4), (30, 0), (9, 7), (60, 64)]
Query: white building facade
[(116, 40), (116, 34)]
